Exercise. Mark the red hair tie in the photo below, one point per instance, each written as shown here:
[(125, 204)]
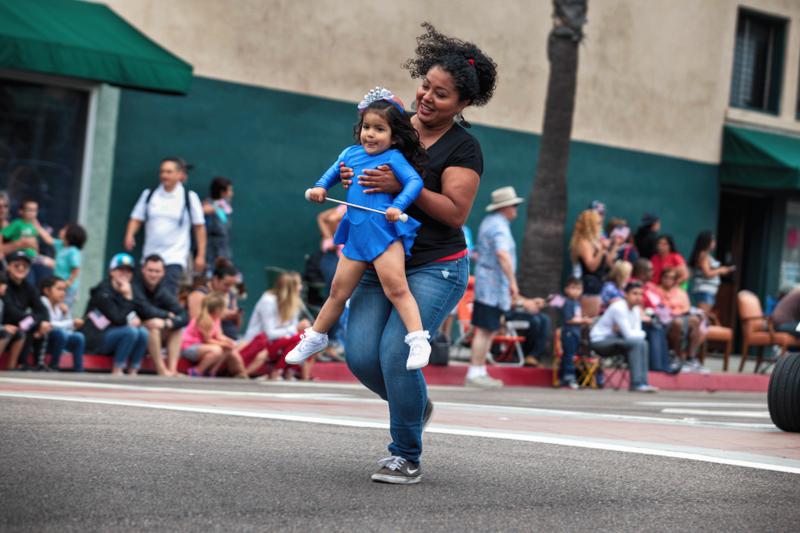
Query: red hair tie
[(471, 61)]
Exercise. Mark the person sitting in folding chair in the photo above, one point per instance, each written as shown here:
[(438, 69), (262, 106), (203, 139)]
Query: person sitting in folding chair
[(619, 331)]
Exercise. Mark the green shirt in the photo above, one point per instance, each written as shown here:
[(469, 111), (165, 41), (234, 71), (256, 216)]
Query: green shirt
[(19, 229)]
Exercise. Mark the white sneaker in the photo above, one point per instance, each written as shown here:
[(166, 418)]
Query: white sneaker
[(310, 343), (484, 382), (420, 352)]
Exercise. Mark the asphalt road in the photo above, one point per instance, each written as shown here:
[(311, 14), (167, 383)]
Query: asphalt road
[(83, 463)]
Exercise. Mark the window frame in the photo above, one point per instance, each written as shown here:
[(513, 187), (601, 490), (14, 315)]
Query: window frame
[(775, 69), (92, 89)]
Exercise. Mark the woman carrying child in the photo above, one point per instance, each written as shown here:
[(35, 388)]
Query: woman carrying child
[(384, 136), (454, 74)]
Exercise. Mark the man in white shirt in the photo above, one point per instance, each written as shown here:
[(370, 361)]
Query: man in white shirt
[(168, 222), (619, 331)]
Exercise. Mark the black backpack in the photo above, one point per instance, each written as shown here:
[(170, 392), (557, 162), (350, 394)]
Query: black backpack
[(186, 204)]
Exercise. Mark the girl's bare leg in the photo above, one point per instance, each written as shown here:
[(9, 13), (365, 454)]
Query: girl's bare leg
[(235, 364), (696, 337), (13, 353), (209, 355), (258, 362), (391, 269), (348, 274), (305, 371)]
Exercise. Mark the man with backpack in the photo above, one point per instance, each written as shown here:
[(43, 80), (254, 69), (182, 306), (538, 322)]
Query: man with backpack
[(169, 213)]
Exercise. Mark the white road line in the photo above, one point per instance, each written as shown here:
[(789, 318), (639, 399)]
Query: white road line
[(741, 405), (774, 464), (707, 412), (148, 388), (472, 407)]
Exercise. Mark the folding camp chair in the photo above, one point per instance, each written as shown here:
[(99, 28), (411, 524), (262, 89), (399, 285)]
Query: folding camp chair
[(614, 366), (588, 364), (506, 348)]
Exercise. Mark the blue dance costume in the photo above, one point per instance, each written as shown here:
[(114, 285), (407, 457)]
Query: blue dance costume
[(367, 235)]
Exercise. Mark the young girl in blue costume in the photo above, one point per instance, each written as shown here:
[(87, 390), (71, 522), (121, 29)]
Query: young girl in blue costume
[(384, 136)]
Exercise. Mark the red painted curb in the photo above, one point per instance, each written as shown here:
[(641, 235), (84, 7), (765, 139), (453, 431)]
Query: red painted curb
[(511, 376), (542, 377)]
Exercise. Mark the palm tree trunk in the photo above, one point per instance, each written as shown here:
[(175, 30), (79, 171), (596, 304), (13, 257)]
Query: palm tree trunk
[(542, 258)]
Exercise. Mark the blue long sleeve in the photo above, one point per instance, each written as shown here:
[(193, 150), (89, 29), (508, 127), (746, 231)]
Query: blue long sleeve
[(331, 176), (409, 178)]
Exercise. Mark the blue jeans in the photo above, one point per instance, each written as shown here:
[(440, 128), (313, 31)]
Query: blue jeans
[(127, 344), (636, 351), (58, 340), (570, 342), (173, 275), (537, 333), (376, 351), (657, 347)]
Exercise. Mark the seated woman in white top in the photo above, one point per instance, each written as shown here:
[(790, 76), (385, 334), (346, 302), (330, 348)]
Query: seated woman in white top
[(619, 331), (275, 327)]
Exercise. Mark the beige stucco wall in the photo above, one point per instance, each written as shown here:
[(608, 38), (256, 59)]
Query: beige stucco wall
[(654, 75)]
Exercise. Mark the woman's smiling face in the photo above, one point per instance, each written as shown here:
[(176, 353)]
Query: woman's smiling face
[(437, 98)]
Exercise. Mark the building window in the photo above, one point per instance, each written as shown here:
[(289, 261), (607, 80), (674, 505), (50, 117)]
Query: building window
[(758, 62), (790, 260), (42, 132)]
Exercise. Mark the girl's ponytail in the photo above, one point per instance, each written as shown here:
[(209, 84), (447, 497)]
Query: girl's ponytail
[(213, 302)]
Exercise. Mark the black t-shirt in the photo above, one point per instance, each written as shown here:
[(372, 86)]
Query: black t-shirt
[(456, 148)]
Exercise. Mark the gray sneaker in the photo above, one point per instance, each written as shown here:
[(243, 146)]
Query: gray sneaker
[(483, 382), (692, 365), (397, 470), (698, 367)]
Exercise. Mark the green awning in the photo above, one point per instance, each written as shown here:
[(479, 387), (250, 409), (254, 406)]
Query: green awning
[(80, 39), (760, 160)]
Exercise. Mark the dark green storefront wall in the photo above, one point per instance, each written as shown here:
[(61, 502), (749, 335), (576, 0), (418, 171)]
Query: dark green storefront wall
[(275, 144)]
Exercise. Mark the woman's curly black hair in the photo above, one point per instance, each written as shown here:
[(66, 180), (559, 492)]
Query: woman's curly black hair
[(404, 137), (474, 72)]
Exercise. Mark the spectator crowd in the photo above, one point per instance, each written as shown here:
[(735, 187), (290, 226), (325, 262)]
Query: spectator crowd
[(179, 302), (630, 293)]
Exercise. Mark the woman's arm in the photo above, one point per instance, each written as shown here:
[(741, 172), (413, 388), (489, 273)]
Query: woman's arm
[(206, 329), (611, 253), (705, 267), (591, 256), (683, 273), (194, 302), (453, 204)]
